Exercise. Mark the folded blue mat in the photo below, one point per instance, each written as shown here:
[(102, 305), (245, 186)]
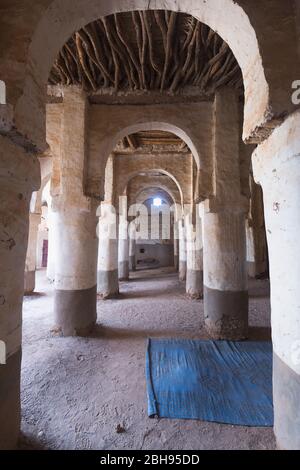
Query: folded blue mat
[(221, 381)]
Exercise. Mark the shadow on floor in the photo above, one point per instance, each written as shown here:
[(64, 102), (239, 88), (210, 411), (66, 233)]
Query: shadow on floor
[(125, 333), (143, 294), (255, 333), (141, 276), (258, 333), (259, 295), (29, 443)]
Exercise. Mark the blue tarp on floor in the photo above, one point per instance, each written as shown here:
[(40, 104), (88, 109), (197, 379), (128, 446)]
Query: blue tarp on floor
[(221, 381)]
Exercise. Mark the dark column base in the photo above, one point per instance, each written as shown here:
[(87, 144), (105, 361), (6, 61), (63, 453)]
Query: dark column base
[(132, 265), (182, 270), (123, 270), (286, 397), (108, 284), (75, 311), (10, 406), (29, 282), (226, 314), (176, 262), (194, 284)]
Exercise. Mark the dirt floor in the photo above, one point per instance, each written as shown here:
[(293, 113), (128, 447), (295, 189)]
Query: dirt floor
[(76, 391)]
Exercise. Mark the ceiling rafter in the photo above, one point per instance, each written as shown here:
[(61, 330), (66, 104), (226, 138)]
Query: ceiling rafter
[(150, 50)]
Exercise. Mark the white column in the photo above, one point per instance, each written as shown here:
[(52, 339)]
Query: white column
[(225, 275), (276, 166), (30, 264), (176, 245), (132, 246), (250, 242), (52, 243), (182, 250), (194, 273), (123, 250), (74, 226), (19, 177), (108, 279), (224, 237), (75, 267), (257, 253)]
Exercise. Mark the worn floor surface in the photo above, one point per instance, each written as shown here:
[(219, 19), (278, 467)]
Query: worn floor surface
[(76, 391)]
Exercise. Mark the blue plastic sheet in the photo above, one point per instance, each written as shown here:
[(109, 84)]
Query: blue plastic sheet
[(221, 381)]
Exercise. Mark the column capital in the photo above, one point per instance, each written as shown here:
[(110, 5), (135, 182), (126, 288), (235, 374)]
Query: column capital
[(35, 218), (21, 173), (282, 147), (77, 202), (240, 206)]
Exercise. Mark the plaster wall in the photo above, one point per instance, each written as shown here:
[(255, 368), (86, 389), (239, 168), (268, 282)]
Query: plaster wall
[(109, 124)]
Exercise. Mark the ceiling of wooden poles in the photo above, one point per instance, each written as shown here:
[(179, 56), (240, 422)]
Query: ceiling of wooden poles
[(161, 141), (148, 50)]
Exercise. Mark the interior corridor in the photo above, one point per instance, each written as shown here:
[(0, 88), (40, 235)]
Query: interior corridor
[(90, 393)]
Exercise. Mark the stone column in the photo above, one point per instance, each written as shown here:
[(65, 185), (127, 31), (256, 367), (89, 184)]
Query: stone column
[(30, 264), (276, 167), (123, 251), (75, 266), (224, 238), (257, 252), (132, 246), (225, 275), (194, 273), (51, 245), (108, 278), (176, 245), (19, 177), (73, 226), (182, 251), (250, 243)]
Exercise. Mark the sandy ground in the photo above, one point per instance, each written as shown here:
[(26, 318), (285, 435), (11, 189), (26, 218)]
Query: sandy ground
[(76, 391)]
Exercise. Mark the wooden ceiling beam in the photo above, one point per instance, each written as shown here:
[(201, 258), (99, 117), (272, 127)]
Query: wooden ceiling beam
[(132, 141), (153, 50)]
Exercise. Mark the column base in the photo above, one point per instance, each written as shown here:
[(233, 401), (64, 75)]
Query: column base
[(226, 314), (286, 395), (10, 405), (182, 270), (194, 284), (251, 268), (75, 311), (176, 262), (123, 270), (108, 284), (132, 265), (29, 282), (50, 275)]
